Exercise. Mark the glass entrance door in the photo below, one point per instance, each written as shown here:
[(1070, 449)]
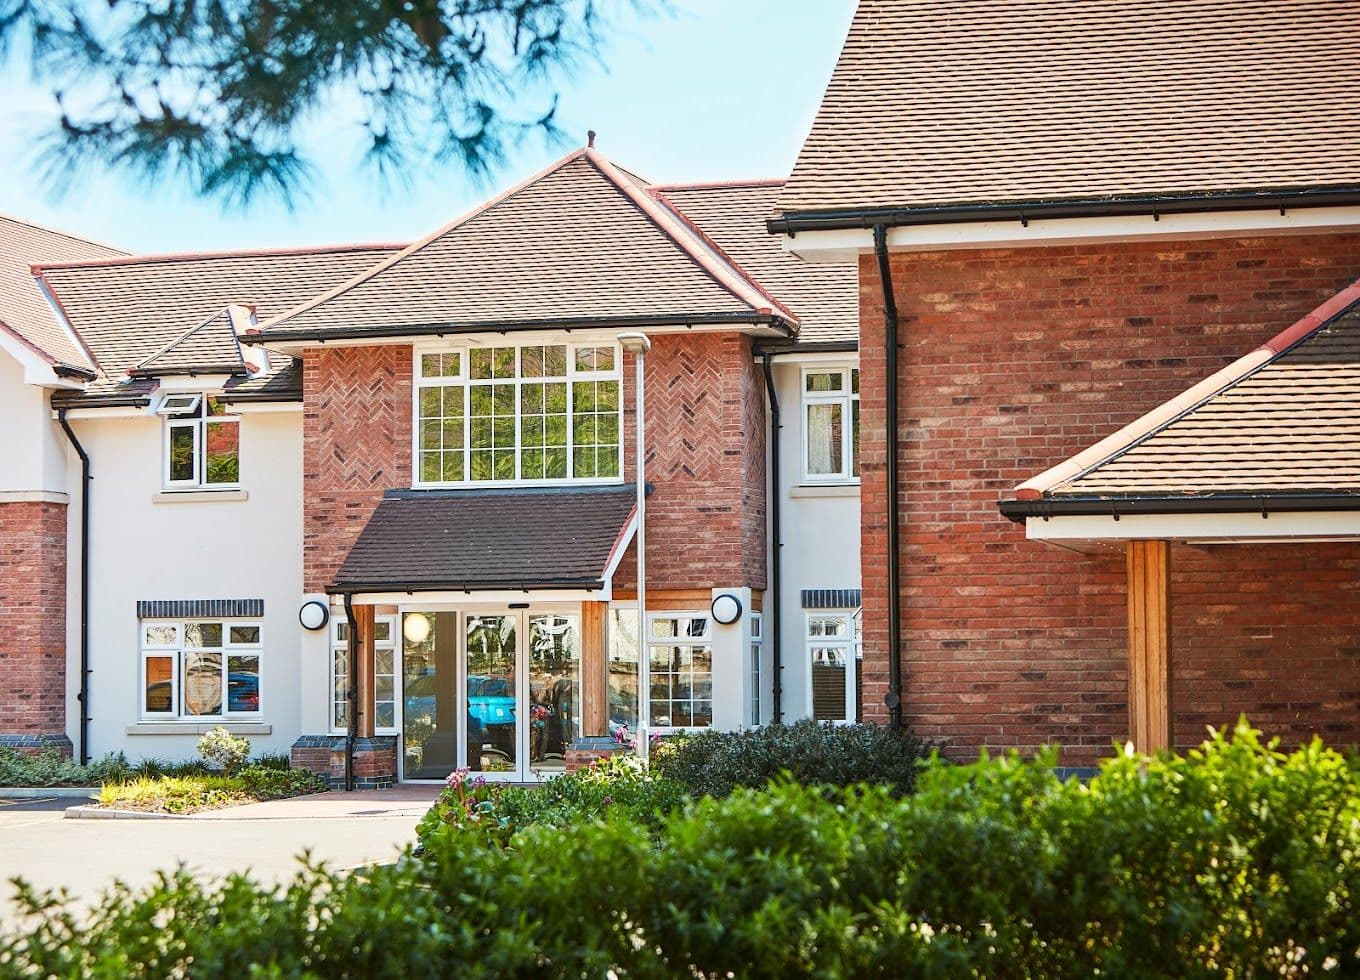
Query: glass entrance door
[(495, 692)]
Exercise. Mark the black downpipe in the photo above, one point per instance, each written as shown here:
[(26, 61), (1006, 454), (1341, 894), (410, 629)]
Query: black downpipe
[(893, 699), (83, 698), (776, 541), (352, 690)]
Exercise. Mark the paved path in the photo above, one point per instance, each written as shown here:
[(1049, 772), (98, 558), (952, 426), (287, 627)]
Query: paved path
[(344, 829)]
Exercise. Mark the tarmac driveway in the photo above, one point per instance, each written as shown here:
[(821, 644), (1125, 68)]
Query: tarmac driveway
[(85, 856)]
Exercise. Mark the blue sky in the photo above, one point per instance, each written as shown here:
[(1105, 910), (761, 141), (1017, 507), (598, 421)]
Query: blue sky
[(715, 89)]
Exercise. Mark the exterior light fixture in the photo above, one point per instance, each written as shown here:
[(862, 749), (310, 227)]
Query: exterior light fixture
[(726, 609), (638, 344), (415, 627), (314, 615)]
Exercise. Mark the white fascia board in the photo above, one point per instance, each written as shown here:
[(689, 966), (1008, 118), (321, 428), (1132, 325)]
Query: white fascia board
[(37, 372), (119, 412), (830, 358), (1296, 526), (846, 245)]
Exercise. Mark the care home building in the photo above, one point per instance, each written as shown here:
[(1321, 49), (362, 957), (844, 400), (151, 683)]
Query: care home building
[(1108, 338), (376, 505)]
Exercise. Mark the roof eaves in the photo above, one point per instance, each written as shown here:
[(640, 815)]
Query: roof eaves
[(1121, 505)]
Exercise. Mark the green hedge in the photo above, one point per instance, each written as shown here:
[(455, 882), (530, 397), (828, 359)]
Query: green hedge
[(716, 763), (1235, 861)]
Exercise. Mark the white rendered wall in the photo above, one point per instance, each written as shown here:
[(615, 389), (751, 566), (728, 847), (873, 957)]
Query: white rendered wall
[(34, 453), (203, 549), (820, 530)]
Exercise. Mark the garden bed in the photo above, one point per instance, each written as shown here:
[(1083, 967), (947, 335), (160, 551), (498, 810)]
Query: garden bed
[(184, 795)]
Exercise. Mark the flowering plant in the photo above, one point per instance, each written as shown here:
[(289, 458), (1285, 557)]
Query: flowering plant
[(539, 712)]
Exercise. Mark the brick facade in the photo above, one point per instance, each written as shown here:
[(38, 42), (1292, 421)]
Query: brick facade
[(33, 624), (1012, 360)]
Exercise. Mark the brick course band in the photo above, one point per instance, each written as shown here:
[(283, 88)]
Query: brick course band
[(207, 608), (36, 744), (832, 598)]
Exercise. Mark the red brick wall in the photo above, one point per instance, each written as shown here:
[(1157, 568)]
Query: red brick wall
[(1012, 360), (706, 459), (356, 443), (706, 455), (32, 618)]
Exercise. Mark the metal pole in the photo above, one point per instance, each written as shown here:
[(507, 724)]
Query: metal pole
[(638, 344)]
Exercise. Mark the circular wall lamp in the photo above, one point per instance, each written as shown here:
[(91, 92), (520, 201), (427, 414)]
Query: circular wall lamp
[(314, 615), (726, 609), (415, 627)]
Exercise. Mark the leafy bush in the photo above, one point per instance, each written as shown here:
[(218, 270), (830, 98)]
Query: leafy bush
[(265, 782), (272, 760), (1235, 861), (614, 789), (716, 763), (48, 768), (193, 792), (223, 750)]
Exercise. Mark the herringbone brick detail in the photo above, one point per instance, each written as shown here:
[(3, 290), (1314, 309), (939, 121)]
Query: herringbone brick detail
[(356, 444), (32, 618)]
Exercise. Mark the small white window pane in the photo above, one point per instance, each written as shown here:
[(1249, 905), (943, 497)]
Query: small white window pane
[(158, 698), (854, 380), (244, 634), (202, 684), (161, 635), (382, 631), (183, 461), (824, 382), (243, 683), (202, 634), (182, 404), (825, 439)]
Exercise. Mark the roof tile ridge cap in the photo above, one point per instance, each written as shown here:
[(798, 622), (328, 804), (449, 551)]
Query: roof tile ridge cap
[(663, 218), (391, 260), (1123, 439), (64, 234), (64, 319), (1311, 322), (694, 226), (706, 185), (153, 258)]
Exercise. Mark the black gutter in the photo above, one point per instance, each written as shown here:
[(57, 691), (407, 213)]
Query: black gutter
[(776, 542), (71, 371), (83, 698), (1119, 506), (893, 699), (235, 369), (1097, 207), (811, 346), (772, 320), (95, 401), (352, 690)]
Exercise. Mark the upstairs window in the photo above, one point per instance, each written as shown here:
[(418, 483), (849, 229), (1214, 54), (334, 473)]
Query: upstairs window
[(544, 413), (830, 424), (202, 443)]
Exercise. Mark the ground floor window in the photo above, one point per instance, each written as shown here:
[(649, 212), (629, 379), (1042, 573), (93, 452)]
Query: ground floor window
[(384, 675), (623, 668), (756, 642), (196, 669), (680, 658), (835, 650)]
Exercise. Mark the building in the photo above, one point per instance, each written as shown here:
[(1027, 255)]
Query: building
[(375, 505), (1067, 220)]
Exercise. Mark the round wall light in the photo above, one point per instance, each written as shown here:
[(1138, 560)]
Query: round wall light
[(314, 615), (415, 627), (726, 609)]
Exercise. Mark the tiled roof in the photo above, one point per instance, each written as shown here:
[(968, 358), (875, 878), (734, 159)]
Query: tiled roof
[(1284, 419), (578, 242), (935, 103), (24, 311), (129, 309), (211, 343), (825, 296), (489, 539)]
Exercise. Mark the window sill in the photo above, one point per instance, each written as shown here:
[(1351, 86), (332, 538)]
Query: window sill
[(199, 728), (824, 490), (198, 496)]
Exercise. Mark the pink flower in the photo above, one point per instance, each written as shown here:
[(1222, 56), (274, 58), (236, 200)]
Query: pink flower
[(456, 778)]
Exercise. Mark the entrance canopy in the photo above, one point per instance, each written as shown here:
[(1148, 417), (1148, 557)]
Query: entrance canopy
[(1266, 449), (477, 540)]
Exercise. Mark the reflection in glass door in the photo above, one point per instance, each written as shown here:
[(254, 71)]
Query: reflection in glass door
[(493, 733), (554, 689), (429, 722)]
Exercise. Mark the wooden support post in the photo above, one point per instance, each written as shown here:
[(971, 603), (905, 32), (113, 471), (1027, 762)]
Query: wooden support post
[(594, 669), (1149, 586), (363, 619)]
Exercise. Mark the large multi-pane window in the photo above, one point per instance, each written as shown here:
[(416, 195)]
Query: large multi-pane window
[(384, 675), (681, 670), (538, 413), (834, 649), (196, 669), (831, 423), (202, 443)]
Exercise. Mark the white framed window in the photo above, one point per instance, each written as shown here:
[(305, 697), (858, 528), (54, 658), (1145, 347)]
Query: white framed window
[(757, 642), (548, 413), (202, 443), (830, 423), (680, 652), (200, 669), (835, 650), (384, 675)]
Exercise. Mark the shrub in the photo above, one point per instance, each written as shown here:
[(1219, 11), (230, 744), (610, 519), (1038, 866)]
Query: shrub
[(716, 763), (1237, 860), (265, 782), (173, 794), (48, 768), (272, 760), (223, 750), (620, 789)]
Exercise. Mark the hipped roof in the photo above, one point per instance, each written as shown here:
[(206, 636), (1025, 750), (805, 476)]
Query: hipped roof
[(938, 104)]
